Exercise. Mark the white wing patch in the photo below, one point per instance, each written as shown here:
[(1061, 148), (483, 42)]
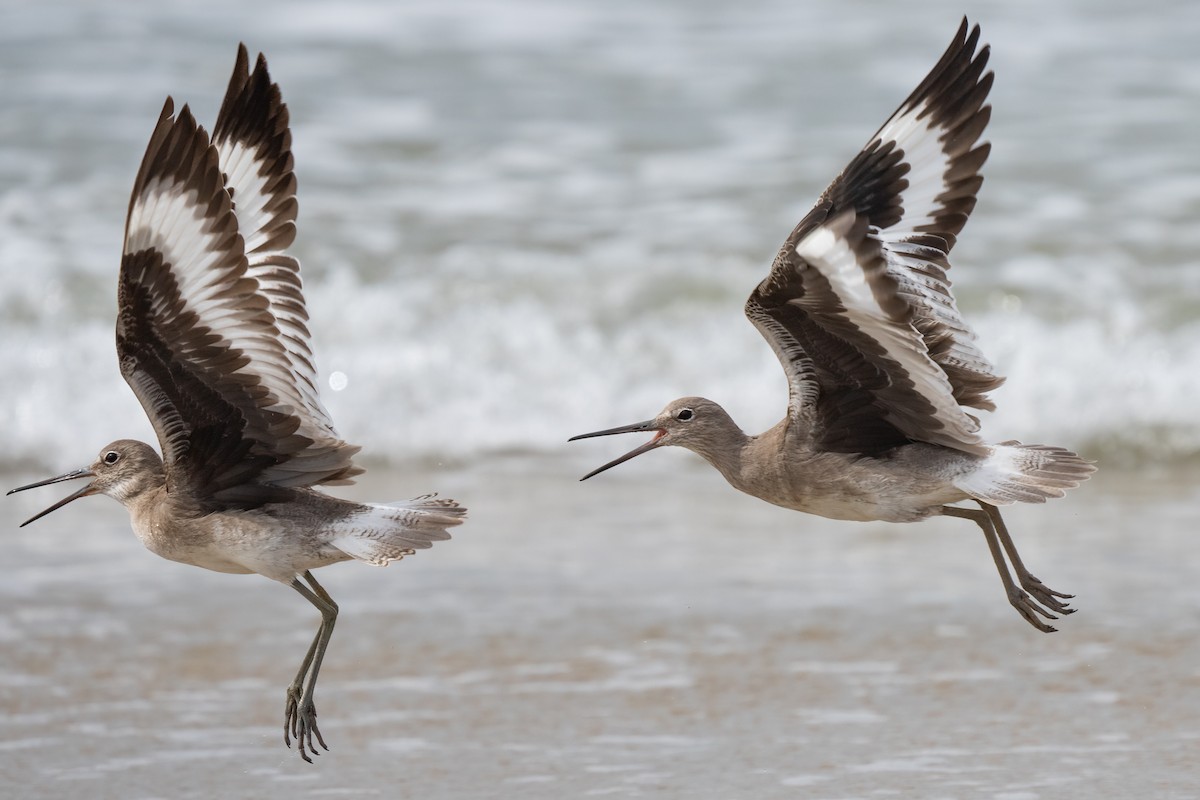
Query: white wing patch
[(863, 275), (249, 193), (186, 276), (278, 276), (827, 250), (279, 281), (172, 219), (260, 197), (928, 162), (202, 259)]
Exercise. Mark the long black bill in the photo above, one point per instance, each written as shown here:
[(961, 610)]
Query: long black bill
[(637, 427), (70, 476)]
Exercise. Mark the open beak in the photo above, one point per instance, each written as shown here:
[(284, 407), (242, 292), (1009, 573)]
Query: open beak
[(637, 427), (70, 476)]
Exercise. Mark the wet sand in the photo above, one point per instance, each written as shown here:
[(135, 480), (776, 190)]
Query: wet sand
[(649, 633)]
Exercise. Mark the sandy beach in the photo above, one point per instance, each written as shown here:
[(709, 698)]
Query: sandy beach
[(657, 635)]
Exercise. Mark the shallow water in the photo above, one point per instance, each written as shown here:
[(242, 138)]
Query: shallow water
[(650, 633)]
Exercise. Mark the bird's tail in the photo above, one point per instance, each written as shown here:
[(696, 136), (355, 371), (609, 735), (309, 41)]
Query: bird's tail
[(1015, 472), (382, 533)]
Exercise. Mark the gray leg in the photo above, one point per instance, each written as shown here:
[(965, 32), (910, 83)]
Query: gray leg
[(300, 713), (1044, 594), (1022, 602)]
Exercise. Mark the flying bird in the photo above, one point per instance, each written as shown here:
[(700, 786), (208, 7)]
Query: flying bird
[(212, 337), (882, 369)]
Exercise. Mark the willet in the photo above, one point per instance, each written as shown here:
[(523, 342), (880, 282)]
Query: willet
[(879, 362), (212, 338)]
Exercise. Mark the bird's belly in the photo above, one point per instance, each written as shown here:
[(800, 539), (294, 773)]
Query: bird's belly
[(869, 497), (213, 561), (189, 546), (846, 508), (864, 509), (237, 544)]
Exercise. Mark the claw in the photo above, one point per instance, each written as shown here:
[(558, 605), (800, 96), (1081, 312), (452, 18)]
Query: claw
[(1028, 609), (1047, 596), (300, 723), (290, 709)]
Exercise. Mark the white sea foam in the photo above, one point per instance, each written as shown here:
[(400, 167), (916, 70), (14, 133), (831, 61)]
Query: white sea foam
[(516, 232)]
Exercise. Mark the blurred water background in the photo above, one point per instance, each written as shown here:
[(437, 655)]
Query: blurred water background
[(523, 220)]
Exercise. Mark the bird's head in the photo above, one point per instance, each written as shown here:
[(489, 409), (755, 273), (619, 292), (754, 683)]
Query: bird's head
[(698, 424), (123, 470)]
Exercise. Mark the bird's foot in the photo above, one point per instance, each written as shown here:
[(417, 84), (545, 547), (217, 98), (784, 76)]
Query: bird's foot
[(300, 722), (1046, 596), (1029, 610)]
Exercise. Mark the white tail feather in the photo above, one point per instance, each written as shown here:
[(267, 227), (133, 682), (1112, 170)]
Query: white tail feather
[(1017, 473), (381, 534)]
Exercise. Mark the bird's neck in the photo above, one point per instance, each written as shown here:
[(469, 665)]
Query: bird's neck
[(149, 511), (146, 487), (726, 450), (749, 463)]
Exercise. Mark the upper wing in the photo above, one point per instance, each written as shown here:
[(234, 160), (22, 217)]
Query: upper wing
[(253, 145), (199, 339), (858, 305)]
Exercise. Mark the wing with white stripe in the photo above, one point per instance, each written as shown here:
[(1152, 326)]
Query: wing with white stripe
[(919, 173), (877, 384), (197, 339), (254, 144), (860, 286), (915, 182)]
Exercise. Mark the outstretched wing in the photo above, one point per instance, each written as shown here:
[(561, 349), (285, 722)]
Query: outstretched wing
[(253, 145), (209, 345), (858, 306)]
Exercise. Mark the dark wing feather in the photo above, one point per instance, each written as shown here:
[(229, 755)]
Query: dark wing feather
[(254, 146), (860, 291), (198, 341), (253, 143)]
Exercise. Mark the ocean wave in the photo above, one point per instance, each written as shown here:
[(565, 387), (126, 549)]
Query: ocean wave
[(514, 233), (431, 374)]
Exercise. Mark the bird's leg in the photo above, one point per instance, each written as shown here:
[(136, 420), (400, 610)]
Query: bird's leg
[(294, 692), (1021, 601), (1042, 593), (300, 713)]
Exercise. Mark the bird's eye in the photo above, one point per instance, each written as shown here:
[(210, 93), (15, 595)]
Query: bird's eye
[(685, 414), (112, 457)]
